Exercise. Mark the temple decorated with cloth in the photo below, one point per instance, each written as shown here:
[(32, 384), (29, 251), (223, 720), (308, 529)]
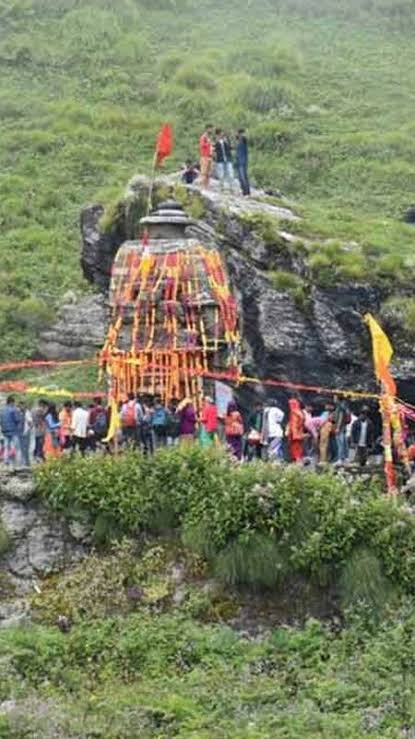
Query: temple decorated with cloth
[(174, 318)]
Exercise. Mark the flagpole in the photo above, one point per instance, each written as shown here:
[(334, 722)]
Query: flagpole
[(151, 187)]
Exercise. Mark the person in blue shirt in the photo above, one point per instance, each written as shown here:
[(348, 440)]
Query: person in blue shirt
[(11, 423), (242, 161)]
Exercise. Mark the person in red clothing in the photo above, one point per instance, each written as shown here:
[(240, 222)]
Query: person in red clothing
[(295, 431), (206, 154), (208, 423)]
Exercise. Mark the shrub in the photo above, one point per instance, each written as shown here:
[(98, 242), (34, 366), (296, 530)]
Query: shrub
[(266, 96), (291, 283), (195, 79), (217, 507), (33, 313), (402, 309), (253, 559), (363, 581)]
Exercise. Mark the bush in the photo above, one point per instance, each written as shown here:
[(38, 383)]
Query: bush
[(402, 309), (363, 581), (33, 313), (291, 283), (218, 507), (195, 79)]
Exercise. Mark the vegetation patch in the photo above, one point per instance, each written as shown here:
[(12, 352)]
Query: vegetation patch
[(296, 522)]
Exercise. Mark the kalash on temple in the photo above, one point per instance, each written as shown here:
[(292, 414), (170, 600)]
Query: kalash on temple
[(174, 318)]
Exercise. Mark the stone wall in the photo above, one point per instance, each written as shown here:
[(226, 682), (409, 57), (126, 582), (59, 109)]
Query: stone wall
[(39, 542)]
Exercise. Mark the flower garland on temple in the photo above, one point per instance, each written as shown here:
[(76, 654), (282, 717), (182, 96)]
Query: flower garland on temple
[(171, 344)]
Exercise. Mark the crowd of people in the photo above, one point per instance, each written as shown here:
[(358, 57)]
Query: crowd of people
[(219, 157), (303, 435)]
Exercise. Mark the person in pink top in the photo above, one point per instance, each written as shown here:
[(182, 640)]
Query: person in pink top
[(206, 154)]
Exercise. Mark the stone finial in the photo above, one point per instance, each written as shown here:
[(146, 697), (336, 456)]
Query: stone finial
[(168, 221)]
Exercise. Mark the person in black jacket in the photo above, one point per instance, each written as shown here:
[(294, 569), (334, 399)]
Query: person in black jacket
[(223, 158), (242, 161), (363, 436)]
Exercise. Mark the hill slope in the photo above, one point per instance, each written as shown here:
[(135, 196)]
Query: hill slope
[(326, 92)]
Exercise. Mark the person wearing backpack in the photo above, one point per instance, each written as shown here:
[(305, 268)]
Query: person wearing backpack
[(159, 423), (98, 423), (129, 420)]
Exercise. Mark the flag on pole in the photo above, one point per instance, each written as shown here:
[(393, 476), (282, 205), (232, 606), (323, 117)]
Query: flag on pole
[(382, 354), (164, 144)]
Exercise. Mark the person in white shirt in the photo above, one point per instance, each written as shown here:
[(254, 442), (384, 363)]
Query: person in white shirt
[(26, 434), (80, 420), (273, 433)]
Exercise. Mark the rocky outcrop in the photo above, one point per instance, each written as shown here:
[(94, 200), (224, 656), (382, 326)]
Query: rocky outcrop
[(38, 541), (80, 329), (318, 340)]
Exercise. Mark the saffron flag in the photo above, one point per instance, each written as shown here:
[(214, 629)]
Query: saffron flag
[(164, 144), (382, 354), (115, 423)]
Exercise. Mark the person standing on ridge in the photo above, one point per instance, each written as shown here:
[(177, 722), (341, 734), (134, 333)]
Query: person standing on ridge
[(242, 161), (223, 157), (206, 154)]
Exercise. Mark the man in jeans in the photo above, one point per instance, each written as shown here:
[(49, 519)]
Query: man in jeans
[(242, 161), (223, 156), (206, 153), (363, 436), (341, 421), (11, 421)]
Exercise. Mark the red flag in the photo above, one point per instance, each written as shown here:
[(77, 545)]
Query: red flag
[(164, 145)]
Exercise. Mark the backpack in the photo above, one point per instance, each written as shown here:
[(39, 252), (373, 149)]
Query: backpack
[(129, 415), (159, 417), (100, 425)]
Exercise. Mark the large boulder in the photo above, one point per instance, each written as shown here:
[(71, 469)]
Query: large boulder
[(319, 340)]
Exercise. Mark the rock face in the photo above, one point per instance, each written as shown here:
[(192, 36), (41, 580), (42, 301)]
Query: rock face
[(80, 330), (319, 340), (39, 542)]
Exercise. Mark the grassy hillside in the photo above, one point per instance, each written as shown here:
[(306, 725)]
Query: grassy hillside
[(325, 91), (203, 625)]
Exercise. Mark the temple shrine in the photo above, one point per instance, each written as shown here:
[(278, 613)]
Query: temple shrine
[(174, 318)]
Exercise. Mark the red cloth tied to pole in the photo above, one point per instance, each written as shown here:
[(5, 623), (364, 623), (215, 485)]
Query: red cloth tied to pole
[(164, 145)]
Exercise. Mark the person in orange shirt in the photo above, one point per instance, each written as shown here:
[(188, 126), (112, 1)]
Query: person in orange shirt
[(206, 154), (65, 433)]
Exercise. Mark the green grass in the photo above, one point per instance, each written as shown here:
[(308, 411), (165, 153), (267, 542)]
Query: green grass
[(326, 96)]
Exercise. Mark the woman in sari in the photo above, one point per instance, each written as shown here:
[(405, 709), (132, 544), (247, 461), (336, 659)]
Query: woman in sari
[(295, 431), (51, 446)]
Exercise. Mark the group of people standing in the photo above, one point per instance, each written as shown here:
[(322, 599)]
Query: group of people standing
[(48, 431), (146, 423), (218, 156)]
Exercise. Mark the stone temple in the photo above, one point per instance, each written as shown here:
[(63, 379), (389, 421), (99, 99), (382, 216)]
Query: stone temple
[(174, 318)]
